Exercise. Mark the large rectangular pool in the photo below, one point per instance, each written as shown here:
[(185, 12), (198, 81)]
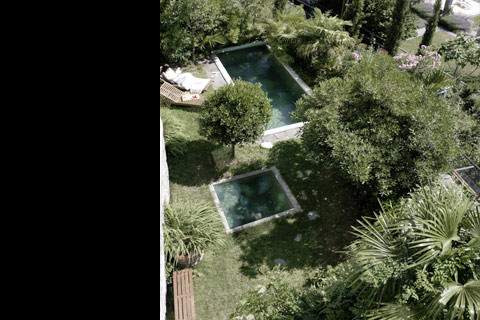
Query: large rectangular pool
[(257, 64)]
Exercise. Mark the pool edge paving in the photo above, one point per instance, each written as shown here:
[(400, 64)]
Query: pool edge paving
[(296, 207)]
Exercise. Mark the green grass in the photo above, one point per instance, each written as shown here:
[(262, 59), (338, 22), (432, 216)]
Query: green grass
[(477, 20), (439, 37), (227, 272)]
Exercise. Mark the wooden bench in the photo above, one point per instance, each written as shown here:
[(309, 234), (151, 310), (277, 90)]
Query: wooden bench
[(183, 295)]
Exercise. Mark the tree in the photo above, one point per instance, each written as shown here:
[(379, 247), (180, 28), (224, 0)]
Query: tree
[(421, 259), (397, 28), (236, 114), (292, 35), (432, 25), (462, 51), (355, 13), (447, 7), (378, 17), (184, 25), (379, 126)]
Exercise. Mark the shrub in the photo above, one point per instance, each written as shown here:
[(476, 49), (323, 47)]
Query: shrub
[(235, 114), (278, 301), (194, 27), (456, 23), (379, 17), (190, 227), (424, 10), (280, 4), (379, 126)]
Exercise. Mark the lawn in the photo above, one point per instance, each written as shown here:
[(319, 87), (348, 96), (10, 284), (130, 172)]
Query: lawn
[(439, 37), (227, 272)]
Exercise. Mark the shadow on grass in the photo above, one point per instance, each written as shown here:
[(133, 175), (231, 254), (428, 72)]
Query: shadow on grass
[(196, 167), (315, 188)]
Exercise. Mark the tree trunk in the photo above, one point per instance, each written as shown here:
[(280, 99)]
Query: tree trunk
[(431, 26), (397, 28), (193, 50), (233, 151), (446, 8)]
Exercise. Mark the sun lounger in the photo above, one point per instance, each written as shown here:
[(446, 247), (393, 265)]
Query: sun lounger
[(170, 94), (196, 84)]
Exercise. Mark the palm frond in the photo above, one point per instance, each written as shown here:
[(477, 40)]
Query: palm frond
[(461, 298), (391, 311), (438, 213), (472, 227)]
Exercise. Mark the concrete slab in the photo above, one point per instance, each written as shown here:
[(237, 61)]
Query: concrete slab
[(213, 73)]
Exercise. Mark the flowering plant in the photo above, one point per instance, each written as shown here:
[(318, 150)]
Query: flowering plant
[(427, 60)]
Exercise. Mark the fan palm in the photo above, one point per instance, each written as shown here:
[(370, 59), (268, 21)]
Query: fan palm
[(292, 33), (435, 233)]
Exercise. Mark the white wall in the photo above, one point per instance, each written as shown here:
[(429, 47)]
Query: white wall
[(164, 198)]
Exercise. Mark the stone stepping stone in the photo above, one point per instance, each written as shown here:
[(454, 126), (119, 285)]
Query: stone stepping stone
[(298, 237), (299, 174), (308, 172), (304, 195), (267, 145), (314, 192), (312, 215), (280, 261)]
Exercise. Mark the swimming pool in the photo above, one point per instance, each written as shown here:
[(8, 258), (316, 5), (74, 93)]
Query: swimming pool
[(256, 64), (253, 198)]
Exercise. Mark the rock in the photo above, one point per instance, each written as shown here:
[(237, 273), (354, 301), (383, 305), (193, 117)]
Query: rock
[(267, 145), (304, 195), (249, 317), (298, 237), (257, 216), (280, 261), (312, 215), (299, 174), (261, 289)]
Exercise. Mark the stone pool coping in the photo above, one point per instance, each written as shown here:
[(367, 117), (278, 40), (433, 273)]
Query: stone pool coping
[(290, 71), (296, 207)]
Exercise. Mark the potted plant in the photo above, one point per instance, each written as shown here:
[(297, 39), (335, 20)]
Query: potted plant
[(189, 228)]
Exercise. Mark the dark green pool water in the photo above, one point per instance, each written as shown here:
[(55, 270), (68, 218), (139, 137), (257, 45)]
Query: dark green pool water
[(257, 65), (252, 198)]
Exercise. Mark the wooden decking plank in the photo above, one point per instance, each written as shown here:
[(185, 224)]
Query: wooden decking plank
[(175, 293), (184, 295), (184, 298)]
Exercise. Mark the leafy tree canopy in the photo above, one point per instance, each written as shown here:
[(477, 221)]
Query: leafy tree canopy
[(236, 113), (291, 35), (463, 50), (379, 126)]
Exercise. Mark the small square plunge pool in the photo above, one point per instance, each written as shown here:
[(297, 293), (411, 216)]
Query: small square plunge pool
[(253, 198)]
